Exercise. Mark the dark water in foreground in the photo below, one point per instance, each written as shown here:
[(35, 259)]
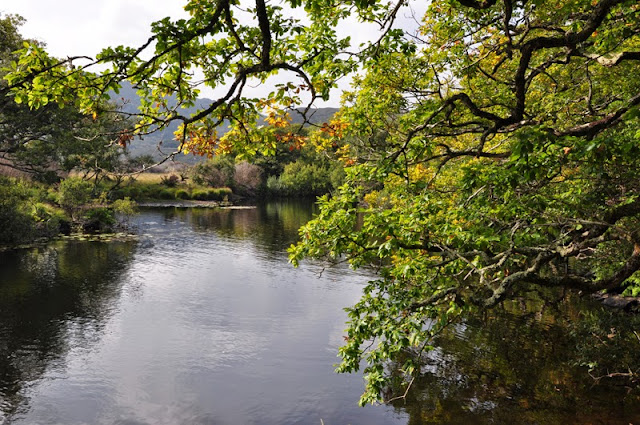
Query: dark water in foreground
[(203, 322)]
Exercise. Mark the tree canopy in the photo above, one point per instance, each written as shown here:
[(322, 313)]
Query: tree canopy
[(493, 150), (43, 141)]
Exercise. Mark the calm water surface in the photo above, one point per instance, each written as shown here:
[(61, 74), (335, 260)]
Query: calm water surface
[(202, 321)]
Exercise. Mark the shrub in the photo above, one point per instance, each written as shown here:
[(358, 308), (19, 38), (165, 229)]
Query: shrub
[(124, 206), (302, 179), (247, 178), (124, 209), (152, 191), (170, 181), (219, 194), (49, 221), (275, 186), (47, 177), (40, 212), (217, 172), (17, 225), (166, 194), (98, 220), (73, 193), (51, 196), (182, 194), (200, 194), (133, 192)]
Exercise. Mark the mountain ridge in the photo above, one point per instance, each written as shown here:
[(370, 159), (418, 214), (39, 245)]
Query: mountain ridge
[(128, 101)]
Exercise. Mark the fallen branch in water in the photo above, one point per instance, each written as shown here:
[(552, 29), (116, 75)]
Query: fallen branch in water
[(630, 374), (403, 396)]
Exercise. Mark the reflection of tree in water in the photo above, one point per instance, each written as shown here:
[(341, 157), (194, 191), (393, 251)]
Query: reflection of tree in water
[(270, 226), (525, 363), (47, 296)]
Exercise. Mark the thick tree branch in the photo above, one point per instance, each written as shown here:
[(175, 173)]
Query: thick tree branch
[(265, 30), (613, 59), (569, 40), (594, 127)]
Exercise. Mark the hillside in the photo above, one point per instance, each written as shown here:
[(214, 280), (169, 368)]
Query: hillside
[(160, 142), (315, 116)]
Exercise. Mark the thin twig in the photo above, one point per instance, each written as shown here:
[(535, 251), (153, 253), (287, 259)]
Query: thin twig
[(403, 396)]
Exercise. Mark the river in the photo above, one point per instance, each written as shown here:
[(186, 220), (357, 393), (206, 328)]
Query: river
[(203, 321)]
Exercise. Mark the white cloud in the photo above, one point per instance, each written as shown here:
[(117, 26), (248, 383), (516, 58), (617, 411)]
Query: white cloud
[(81, 27)]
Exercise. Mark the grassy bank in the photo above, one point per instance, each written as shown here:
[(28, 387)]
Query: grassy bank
[(148, 187), (159, 187)]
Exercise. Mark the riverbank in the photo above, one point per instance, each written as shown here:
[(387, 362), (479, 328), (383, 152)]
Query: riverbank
[(189, 204), (32, 213)]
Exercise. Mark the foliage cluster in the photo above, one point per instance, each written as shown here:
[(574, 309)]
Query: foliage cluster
[(497, 156), (290, 172), (302, 178), (170, 181), (49, 142), (18, 225), (216, 172), (73, 194), (247, 178), (31, 211), (26, 214)]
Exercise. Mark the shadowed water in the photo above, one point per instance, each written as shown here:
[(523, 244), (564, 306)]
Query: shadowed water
[(203, 321)]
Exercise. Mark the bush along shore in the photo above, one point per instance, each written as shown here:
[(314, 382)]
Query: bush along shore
[(32, 212)]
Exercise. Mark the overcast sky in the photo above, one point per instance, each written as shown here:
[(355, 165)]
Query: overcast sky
[(84, 27)]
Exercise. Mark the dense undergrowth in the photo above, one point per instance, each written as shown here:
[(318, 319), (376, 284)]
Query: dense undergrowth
[(31, 211)]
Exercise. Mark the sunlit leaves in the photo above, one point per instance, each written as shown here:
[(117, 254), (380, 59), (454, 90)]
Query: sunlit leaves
[(448, 199)]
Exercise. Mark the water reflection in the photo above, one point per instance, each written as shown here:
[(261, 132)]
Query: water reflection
[(209, 324), (271, 227), (524, 363), (203, 321), (52, 299)]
